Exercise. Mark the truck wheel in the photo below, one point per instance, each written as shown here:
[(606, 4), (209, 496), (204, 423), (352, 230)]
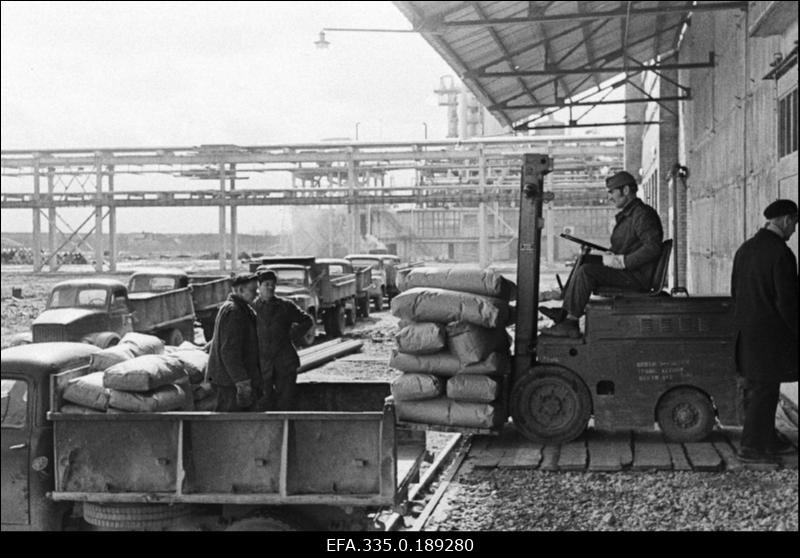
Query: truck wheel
[(363, 307), (266, 523), (685, 414), (132, 516), (334, 322), (350, 314), (551, 405), (175, 337)]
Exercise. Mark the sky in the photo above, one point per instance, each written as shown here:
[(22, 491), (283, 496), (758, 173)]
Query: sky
[(114, 74)]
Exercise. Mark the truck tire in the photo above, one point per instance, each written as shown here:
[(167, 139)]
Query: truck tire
[(103, 340), (264, 523), (685, 414), (350, 313), (174, 337), (334, 322), (133, 516), (551, 405), (363, 307)]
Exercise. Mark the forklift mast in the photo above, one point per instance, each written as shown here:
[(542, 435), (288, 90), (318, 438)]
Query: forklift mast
[(529, 249)]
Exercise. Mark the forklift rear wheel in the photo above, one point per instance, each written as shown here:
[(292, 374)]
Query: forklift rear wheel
[(685, 415), (551, 405)]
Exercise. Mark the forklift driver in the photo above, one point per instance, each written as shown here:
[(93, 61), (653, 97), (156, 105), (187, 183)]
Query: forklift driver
[(635, 250)]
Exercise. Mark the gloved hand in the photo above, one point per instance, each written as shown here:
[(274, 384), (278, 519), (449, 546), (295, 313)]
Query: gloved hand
[(614, 261), (244, 393)]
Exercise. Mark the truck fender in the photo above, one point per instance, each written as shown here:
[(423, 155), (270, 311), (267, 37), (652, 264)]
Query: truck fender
[(21, 339), (103, 339)]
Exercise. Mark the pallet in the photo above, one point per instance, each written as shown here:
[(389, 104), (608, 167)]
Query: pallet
[(449, 428)]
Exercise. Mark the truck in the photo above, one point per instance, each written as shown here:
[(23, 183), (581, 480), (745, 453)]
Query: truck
[(329, 465), (377, 289), (318, 287), (100, 311), (208, 292), (644, 357)]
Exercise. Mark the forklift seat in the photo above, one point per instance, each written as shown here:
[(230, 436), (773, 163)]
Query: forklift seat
[(658, 282)]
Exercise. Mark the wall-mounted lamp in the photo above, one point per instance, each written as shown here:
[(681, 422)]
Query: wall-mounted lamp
[(321, 42)]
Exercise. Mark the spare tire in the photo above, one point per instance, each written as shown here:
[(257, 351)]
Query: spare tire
[(133, 516)]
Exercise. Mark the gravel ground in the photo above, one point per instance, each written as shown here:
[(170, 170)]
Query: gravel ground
[(508, 500)]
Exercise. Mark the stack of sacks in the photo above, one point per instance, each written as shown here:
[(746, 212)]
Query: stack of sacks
[(147, 383), (452, 346)]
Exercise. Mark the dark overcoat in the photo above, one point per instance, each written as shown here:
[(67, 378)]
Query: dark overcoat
[(764, 286), (234, 347), (638, 235), (277, 319)]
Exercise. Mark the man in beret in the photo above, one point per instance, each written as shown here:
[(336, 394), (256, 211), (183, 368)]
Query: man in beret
[(764, 287), (279, 321), (233, 359), (635, 250)]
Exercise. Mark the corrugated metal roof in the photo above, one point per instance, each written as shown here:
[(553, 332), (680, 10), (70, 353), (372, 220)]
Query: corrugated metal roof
[(569, 36)]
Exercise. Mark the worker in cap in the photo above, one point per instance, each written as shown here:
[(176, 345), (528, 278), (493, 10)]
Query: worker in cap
[(280, 323), (764, 287), (636, 246), (233, 358)]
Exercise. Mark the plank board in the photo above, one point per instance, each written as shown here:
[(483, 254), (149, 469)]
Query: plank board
[(726, 451), (678, 457), (650, 452), (703, 456), (609, 451), (486, 455), (550, 455), (734, 437), (573, 456), (527, 456)]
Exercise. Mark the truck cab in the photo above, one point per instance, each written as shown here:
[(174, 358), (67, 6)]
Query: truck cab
[(377, 289), (96, 311), (27, 453), (157, 280)]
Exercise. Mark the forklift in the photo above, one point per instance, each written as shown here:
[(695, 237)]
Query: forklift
[(644, 358)]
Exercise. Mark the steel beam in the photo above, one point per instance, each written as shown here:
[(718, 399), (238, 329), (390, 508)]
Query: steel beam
[(222, 227), (98, 218), (525, 126), (51, 221), (234, 223), (593, 103), (112, 224), (37, 222), (579, 16), (604, 69)]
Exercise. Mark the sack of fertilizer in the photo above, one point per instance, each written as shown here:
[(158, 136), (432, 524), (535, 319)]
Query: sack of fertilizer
[(165, 398), (411, 387), (471, 343), (472, 388), (446, 412), (444, 306), (88, 391), (111, 356), (70, 409), (486, 281), (144, 373), (144, 344), (447, 364), (194, 362), (421, 338)]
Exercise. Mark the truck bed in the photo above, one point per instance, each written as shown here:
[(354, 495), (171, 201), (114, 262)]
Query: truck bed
[(331, 457), (156, 311)]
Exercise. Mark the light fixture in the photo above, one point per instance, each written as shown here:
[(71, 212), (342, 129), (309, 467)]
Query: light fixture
[(321, 42)]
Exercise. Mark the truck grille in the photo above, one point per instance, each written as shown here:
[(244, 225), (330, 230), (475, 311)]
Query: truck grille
[(45, 333)]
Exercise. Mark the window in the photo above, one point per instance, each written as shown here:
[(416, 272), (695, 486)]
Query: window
[(14, 403), (70, 297), (119, 303), (787, 124)]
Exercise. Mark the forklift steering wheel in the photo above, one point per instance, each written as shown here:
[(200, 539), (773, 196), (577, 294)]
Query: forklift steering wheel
[(585, 244)]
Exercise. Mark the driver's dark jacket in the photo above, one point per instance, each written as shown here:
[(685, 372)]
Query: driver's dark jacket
[(275, 322), (638, 235)]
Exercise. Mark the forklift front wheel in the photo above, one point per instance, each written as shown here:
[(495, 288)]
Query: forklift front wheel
[(551, 405), (685, 414)]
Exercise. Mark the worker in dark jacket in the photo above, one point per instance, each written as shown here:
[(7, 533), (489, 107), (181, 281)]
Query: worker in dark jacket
[(280, 321), (635, 249), (764, 287), (233, 358)]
